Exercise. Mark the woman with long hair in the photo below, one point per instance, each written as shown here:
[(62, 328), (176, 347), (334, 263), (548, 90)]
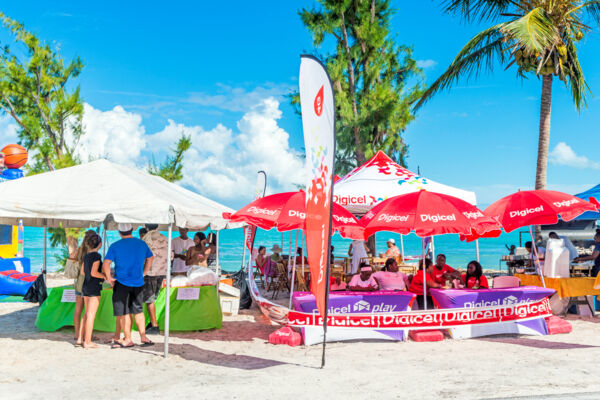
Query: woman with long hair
[(416, 285), (195, 254), (79, 303), (474, 278)]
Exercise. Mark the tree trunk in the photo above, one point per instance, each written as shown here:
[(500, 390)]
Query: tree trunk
[(544, 137)]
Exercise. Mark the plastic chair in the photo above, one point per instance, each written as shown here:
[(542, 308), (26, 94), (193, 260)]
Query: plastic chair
[(557, 262), (505, 282)]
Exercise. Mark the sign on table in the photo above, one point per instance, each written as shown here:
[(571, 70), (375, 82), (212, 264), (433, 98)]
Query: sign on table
[(188, 293), (68, 296)]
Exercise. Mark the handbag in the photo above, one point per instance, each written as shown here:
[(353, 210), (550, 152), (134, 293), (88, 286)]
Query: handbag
[(72, 268)]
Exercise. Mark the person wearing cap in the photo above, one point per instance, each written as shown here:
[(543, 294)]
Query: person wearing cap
[(133, 259), (275, 254), (158, 244), (393, 250), (364, 281)]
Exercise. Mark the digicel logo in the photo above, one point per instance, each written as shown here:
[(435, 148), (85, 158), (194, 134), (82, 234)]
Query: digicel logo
[(319, 102), (347, 200), (525, 212), (473, 214), (565, 203), (437, 218), (294, 213), (392, 218), (343, 219), (265, 211)]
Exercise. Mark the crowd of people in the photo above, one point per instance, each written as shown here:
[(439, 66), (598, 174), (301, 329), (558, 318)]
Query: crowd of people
[(135, 268)]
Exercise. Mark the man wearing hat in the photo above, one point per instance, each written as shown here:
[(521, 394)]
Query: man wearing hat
[(133, 259), (393, 250), (276, 254)]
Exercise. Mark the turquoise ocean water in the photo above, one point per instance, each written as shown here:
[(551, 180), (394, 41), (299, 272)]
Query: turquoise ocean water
[(230, 249)]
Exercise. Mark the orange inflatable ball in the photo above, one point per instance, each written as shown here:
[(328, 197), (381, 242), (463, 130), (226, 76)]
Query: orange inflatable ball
[(15, 156)]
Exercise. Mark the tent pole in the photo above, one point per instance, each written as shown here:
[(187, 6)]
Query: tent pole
[(432, 249), (44, 265), (424, 276), (537, 261), (477, 249), (305, 247), (218, 269), (294, 271), (289, 264), (168, 296), (402, 247)]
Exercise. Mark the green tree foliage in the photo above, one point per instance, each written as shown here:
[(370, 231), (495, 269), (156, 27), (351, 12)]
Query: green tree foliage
[(538, 37), (35, 92), (374, 79), (172, 168)]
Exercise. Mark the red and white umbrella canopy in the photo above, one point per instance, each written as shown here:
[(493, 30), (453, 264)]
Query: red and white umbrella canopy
[(287, 211), (381, 178), (537, 207), (427, 214)]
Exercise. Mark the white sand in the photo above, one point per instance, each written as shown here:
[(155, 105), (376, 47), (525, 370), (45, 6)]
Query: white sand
[(237, 362)]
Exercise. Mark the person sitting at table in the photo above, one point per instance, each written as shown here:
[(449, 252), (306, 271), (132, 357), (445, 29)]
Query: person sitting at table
[(474, 278), (441, 270), (195, 254), (595, 256), (264, 263), (364, 281), (392, 251), (416, 285), (299, 258), (276, 254), (389, 278), (337, 284)]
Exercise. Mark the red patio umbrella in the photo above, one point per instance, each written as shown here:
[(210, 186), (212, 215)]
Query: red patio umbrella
[(537, 207), (287, 211), (427, 214)]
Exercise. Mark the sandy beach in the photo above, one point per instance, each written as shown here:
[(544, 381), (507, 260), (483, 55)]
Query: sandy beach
[(238, 362)]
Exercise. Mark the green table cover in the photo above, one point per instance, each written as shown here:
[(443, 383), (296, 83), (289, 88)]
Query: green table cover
[(186, 315)]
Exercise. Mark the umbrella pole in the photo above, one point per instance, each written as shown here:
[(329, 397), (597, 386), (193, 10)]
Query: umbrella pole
[(424, 276), (402, 247), (537, 261), (432, 248), (168, 294), (289, 263), (244, 249), (477, 249), (294, 271)]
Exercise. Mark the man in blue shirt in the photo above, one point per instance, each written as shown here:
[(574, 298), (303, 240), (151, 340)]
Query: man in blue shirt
[(133, 259), (595, 255)]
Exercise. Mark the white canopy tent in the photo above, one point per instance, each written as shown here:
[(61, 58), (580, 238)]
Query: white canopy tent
[(103, 192), (381, 178)]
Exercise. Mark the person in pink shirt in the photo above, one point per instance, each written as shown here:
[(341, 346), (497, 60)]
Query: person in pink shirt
[(364, 280), (337, 284), (389, 278)]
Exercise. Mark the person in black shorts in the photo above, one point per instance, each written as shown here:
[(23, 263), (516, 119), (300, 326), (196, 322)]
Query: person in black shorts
[(92, 286), (133, 259)]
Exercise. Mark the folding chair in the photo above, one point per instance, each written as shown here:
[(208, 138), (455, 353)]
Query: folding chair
[(282, 281)]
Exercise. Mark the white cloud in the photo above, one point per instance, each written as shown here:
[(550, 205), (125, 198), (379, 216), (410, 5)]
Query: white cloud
[(563, 154), (8, 129), (239, 99), (116, 134), (426, 63), (223, 163)]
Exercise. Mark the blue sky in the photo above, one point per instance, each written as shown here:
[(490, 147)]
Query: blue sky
[(220, 71)]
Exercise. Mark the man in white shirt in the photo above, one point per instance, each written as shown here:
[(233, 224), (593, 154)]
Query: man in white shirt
[(180, 246)]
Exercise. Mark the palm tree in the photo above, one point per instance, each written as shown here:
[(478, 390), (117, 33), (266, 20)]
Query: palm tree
[(538, 37)]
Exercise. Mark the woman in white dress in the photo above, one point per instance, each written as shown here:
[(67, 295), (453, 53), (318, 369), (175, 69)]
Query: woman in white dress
[(358, 249)]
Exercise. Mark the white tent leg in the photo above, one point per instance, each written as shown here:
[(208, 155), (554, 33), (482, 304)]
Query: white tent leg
[(218, 267), (244, 248), (294, 271), (44, 265), (537, 261), (168, 295), (477, 249), (432, 249)]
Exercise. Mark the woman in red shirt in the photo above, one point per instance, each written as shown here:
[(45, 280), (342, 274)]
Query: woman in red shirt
[(416, 284), (474, 278)]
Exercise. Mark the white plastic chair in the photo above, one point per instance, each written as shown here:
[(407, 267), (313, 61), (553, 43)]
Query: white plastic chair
[(505, 282), (556, 263)]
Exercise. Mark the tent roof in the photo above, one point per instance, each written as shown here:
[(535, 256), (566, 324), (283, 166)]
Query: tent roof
[(89, 194), (595, 193), (381, 178)]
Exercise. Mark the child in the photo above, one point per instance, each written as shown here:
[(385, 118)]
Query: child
[(92, 287)]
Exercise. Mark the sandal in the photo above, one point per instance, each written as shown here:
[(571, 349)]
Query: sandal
[(147, 344), (119, 345)]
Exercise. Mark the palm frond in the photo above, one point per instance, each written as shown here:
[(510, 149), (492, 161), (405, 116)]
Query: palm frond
[(592, 8), (575, 80), (477, 10), (534, 30), (479, 53)]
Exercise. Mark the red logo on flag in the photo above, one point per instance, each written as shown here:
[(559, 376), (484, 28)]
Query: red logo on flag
[(319, 102)]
